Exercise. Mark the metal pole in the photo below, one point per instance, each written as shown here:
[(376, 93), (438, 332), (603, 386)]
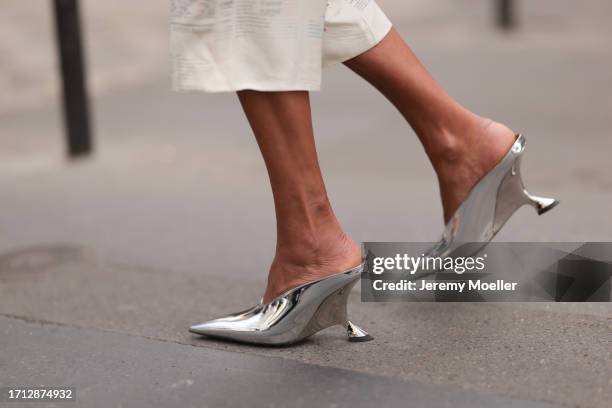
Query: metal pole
[(75, 104), (505, 14)]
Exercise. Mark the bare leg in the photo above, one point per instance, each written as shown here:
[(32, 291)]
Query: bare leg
[(310, 242), (461, 146)]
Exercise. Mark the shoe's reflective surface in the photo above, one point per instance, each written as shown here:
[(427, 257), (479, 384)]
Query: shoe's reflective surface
[(293, 316), (489, 205)]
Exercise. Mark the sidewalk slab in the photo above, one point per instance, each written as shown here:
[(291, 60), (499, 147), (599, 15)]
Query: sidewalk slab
[(508, 350)]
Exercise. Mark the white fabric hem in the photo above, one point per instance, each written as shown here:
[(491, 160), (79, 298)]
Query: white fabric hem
[(200, 63), (276, 87), (379, 30)]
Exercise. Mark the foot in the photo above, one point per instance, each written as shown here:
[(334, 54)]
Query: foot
[(483, 145), (295, 266)]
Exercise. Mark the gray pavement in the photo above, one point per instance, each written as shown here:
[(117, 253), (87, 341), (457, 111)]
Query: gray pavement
[(171, 223), (110, 369), (560, 356)]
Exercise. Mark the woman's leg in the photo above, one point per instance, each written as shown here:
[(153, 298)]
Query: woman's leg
[(310, 241), (461, 146)]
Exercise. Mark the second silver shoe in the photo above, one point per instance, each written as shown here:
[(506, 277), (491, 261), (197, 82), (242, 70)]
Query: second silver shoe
[(490, 203)]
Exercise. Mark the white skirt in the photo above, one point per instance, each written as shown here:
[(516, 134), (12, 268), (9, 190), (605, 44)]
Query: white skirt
[(267, 45)]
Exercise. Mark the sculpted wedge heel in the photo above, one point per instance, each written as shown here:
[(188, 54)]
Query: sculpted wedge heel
[(489, 205), (292, 316)]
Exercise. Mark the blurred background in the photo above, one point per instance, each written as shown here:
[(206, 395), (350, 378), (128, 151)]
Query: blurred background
[(173, 206)]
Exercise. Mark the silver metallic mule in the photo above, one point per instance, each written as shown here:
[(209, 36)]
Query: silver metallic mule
[(292, 316), (489, 205)]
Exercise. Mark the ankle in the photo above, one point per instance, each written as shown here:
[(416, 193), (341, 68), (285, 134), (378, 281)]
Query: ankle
[(307, 228), (327, 246), (455, 144)]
